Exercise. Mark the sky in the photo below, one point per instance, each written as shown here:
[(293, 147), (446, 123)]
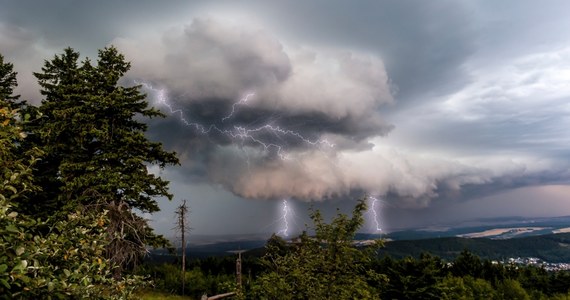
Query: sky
[(445, 111)]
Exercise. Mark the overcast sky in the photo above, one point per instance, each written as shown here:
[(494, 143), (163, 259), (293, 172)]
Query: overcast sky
[(444, 110)]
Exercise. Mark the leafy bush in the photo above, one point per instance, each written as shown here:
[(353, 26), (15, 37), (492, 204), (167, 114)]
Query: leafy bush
[(39, 259), (325, 266)]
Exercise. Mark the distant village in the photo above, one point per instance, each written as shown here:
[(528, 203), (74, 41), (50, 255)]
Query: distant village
[(537, 262)]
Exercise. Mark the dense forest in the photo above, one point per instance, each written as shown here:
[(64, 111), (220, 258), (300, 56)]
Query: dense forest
[(329, 265), (74, 170)]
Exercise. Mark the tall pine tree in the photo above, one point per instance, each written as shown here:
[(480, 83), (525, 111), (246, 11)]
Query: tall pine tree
[(96, 149), (8, 82)]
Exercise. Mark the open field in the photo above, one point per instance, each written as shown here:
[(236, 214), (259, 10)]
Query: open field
[(562, 230), (499, 231)]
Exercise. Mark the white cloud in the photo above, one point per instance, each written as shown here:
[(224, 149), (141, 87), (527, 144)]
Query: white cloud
[(525, 88), (25, 50)]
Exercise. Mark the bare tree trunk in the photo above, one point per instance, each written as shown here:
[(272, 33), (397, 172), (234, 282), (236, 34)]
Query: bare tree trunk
[(182, 219), (182, 226)]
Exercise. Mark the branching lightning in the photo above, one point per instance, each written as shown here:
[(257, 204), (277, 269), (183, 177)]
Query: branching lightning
[(241, 133), (240, 102), (284, 219), (373, 206), (268, 137)]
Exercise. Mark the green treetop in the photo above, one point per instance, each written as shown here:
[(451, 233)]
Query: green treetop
[(96, 154), (93, 137), (7, 81)]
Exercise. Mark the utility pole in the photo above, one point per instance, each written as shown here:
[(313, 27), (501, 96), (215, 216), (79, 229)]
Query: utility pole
[(182, 226)]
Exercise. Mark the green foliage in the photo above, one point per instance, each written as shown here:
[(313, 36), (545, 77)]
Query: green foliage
[(158, 295), (510, 289), (548, 247), (40, 259), (167, 277), (325, 266), (67, 261), (427, 277), (467, 264), (466, 288), (467, 277), (95, 150), (410, 278), (454, 288), (15, 169), (90, 130)]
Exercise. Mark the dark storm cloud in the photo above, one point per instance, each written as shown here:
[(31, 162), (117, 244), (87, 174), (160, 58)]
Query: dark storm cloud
[(322, 95), (423, 43), (208, 67), (302, 100)]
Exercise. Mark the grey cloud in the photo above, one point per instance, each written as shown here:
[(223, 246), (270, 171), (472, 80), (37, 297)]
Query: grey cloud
[(318, 94), (15, 39), (519, 106), (310, 98), (24, 49), (423, 44), (404, 178), (208, 66), (473, 79)]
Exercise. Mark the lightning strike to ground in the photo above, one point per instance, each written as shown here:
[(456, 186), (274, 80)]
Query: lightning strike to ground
[(372, 209), (284, 218), (235, 132)]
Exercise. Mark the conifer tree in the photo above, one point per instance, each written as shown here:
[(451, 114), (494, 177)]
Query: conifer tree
[(91, 128), (7, 81), (96, 151), (45, 259)]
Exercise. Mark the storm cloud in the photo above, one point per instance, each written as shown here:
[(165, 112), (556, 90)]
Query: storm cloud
[(311, 128), (452, 107)]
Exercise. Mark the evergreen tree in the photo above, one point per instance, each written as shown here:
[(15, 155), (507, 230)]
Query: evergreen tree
[(48, 260), (96, 149), (92, 132), (7, 82), (61, 84)]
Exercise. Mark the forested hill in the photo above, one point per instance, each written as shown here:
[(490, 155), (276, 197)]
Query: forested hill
[(552, 248)]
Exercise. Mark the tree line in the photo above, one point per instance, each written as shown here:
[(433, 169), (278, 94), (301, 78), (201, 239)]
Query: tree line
[(327, 264)]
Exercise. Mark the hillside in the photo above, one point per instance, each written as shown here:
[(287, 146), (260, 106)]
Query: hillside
[(552, 247)]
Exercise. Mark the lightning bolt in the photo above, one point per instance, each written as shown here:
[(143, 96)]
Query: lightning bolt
[(241, 133), (240, 102), (285, 219), (373, 210)]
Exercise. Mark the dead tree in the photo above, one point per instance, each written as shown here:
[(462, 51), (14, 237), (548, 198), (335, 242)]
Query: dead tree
[(182, 227)]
